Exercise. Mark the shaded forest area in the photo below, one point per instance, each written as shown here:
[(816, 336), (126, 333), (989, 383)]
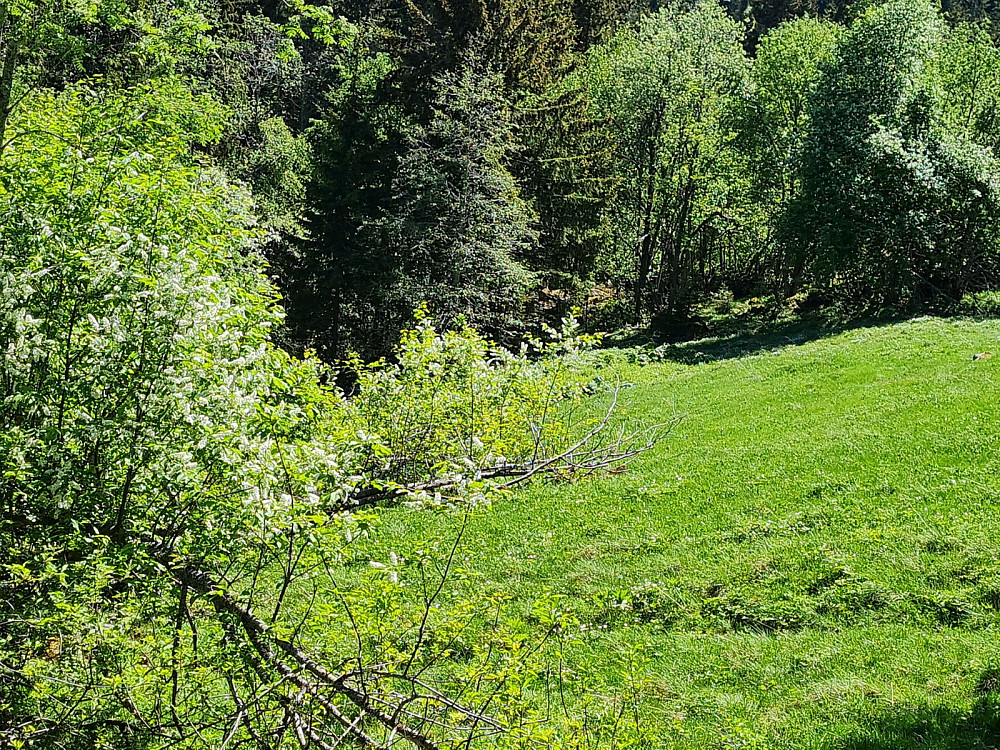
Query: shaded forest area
[(507, 161)]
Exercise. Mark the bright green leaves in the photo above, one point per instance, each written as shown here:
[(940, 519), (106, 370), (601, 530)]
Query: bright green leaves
[(773, 119), (452, 403), (898, 202), (115, 251), (142, 404), (664, 90), (317, 21), (968, 76)]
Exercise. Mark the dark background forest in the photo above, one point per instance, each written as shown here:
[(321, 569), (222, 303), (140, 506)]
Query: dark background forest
[(506, 161)]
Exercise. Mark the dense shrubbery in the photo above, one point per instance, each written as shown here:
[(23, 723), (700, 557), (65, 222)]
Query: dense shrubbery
[(898, 203), (169, 474), (147, 418), (453, 402)]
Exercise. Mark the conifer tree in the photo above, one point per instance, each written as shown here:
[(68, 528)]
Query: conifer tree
[(458, 226)]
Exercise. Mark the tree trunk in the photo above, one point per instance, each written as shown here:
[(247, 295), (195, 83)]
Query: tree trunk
[(642, 275), (9, 50)]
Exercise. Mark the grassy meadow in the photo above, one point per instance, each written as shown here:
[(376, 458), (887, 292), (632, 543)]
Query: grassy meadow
[(809, 560)]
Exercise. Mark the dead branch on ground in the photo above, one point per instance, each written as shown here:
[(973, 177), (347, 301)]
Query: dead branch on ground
[(605, 447)]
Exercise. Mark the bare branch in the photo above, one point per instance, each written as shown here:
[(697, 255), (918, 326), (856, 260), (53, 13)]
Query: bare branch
[(586, 456)]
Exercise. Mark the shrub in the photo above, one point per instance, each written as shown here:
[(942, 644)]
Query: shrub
[(146, 421), (454, 402)]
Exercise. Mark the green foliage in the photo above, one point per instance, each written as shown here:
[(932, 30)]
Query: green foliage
[(968, 73), (277, 168), (786, 70), (920, 219), (772, 120), (664, 89), (127, 42), (565, 166), (981, 303), (334, 282), (146, 416), (457, 225), (529, 43), (452, 402)]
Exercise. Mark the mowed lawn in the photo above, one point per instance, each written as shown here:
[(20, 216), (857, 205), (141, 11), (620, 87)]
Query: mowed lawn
[(810, 560)]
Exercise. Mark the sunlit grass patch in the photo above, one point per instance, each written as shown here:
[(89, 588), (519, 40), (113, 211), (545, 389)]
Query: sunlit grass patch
[(809, 560)]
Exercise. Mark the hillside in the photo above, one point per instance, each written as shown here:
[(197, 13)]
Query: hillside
[(810, 560)]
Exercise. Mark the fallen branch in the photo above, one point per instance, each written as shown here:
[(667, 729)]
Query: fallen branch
[(581, 458), (294, 666)]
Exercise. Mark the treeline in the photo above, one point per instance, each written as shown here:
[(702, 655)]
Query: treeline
[(641, 162), (506, 160)]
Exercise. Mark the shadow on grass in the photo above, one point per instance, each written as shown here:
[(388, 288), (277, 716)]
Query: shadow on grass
[(768, 336), (934, 729)]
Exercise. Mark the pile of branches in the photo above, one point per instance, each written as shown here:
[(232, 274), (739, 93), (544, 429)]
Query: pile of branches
[(606, 447), (281, 691), (326, 708), (332, 708)]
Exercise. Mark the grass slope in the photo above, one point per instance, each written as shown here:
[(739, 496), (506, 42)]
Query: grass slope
[(809, 561)]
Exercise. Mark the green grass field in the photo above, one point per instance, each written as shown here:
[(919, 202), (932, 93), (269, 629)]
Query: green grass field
[(810, 560)]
